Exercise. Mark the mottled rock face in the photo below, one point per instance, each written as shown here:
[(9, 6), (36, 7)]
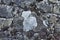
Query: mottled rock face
[(5, 22), (7, 1), (30, 34), (6, 12), (57, 27), (56, 9), (29, 19), (44, 7), (8, 22), (54, 1), (52, 19)]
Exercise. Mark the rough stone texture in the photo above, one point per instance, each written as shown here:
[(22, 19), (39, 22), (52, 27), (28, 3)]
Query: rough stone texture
[(29, 19), (54, 1)]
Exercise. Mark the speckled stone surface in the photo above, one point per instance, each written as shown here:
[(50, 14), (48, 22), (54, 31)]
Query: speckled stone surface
[(29, 19)]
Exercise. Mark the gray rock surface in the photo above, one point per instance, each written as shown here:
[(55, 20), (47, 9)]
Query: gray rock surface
[(29, 19)]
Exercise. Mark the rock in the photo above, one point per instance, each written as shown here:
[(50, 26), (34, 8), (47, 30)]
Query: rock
[(17, 2), (28, 2), (43, 33), (44, 7), (30, 34), (18, 23), (4, 28), (7, 1), (2, 22), (0, 1), (0, 38), (57, 27), (5, 12), (52, 19), (29, 21), (56, 9), (53, 1), (28, 25), (5, 22), (8, 22)]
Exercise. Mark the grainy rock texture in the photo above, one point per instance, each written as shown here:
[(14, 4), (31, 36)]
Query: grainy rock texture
[(29, 19)]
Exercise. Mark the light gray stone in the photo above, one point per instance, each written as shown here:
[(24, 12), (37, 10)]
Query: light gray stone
[(54, 1), (29, 21)]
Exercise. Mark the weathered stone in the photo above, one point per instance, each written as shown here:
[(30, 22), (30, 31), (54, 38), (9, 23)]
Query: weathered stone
[(2, 22), (18, 23), (54, 1), (17, 2), (8, 22), (5, 12), (44, 7), (57, 27), (29, 21), (56, 9), (52, 19), (6, 1), (5, 22)]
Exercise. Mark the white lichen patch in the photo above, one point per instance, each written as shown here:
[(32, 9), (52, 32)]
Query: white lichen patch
[(25, 14), (29, 21)]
